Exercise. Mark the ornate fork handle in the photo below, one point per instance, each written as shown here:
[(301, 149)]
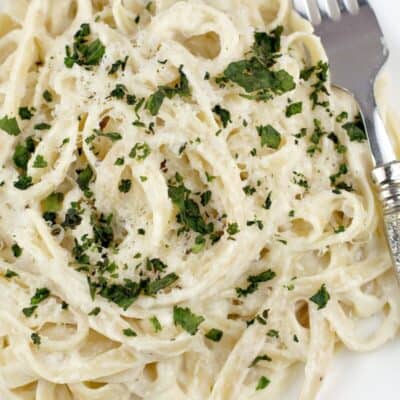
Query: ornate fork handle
[(387, 178)]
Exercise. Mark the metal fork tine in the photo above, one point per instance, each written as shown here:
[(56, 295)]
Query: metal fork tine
[(334, 9), (313, 12), (351, 5)]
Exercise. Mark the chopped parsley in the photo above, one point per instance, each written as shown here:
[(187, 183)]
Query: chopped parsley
[(293, 109), (40, 295), (83, 52), (321, 298), (268, 201), (270, 137), (84, 177), (102, 230), (257, 222), (300, 180), (189, 211), (16, 250), (343, 170), (119, 64), (35, 339), (124, 295), (23, 182), (39, 162), (10, 126), (25, 113), (47, 96), (129, 332), (340, 229), (113, 136), (254, 281), (223, 114), (214, 334), (205, 198), (153, 287), (263, 382), (319, 87), (119, 91), (140, 151), (125, 185), (273, 333), (187, 320), (119, 161), (156, 324), (254, 75), (155, 264), (42, 126), (233, 228), (249, 190), (28, 311), (95, 311), (316, 137), (181, 88), (263, 357), (72, 218), (356, 130), (21, 156), (342, 117), (53, 202), (10, 274)]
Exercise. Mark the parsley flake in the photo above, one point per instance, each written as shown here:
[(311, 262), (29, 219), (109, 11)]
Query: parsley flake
[(187, 320), (39, 162), (214, 334), (293, 109), (223, 114), (321, 298), (10, 126), (263, 382), (270, 137)]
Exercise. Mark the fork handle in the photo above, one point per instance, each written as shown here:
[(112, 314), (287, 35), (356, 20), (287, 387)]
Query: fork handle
[(387, 178)]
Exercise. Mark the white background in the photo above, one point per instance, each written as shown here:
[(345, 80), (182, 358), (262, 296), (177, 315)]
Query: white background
[(370, 376)]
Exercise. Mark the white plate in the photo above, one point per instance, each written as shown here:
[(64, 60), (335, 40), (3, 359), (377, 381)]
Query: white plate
[(370, 376)]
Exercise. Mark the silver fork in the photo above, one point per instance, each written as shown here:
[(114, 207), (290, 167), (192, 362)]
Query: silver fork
[(355, 46)]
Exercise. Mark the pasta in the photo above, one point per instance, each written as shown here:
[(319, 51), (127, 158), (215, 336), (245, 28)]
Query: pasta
[(186, 208)]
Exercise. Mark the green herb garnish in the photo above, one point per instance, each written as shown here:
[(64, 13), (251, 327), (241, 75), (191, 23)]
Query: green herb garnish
[(182, 89), (223, 114), (293, 109), (214, 334), (23, 182), (321, 298), (39, 162), (156, 324), (187, 320), (125, 185), (16, 250), (10, 126), (47, 96), (36, 339), (254, 281), (263, 382), (270, 137), (25, 113), (129, 332), (84, 53)]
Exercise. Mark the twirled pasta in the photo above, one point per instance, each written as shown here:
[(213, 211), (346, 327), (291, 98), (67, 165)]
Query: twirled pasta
[(274, 207)]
